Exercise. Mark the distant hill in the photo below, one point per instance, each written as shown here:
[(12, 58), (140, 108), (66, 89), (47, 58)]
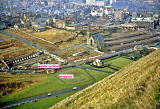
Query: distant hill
[(132, 87)]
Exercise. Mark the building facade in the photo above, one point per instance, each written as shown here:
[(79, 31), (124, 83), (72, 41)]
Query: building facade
[(95, 41)]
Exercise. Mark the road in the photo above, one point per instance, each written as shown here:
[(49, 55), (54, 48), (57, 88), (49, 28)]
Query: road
[(39, 97), (36, 98), (1, 40), (94, 80), (94, 69)]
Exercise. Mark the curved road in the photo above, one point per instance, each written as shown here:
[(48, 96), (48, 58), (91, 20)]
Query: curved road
[(94, 69), (39, 97)]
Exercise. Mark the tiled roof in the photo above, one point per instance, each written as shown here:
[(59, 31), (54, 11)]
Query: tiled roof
[(97, 36)]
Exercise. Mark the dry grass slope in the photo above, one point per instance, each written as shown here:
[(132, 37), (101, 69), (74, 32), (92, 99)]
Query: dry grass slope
[(131, 87)]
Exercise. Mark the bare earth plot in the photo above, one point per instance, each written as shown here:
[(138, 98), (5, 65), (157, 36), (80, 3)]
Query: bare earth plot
[(13, 48), (51, 35), (71, 51), (3, 37)]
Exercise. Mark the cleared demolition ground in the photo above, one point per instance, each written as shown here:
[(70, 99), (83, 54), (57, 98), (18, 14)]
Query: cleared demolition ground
[(51, 39), (20, 56), (126, 40), (77, 53), (12, 48), (4, 37), (53, 35)]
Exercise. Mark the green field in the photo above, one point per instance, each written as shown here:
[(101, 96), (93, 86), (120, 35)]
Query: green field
[(98, 75), (119, 62), (51, 84), (48, 102), (104, 69), (44, 103), (115, 62)]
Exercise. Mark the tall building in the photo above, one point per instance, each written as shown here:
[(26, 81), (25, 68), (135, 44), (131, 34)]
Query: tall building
[(100, 2), (95, 2), (111, 2)]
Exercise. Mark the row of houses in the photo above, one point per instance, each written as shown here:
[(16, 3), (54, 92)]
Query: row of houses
[(40, 24)]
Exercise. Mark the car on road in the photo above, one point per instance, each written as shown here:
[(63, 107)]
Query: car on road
[(74, 88), (49, 94)]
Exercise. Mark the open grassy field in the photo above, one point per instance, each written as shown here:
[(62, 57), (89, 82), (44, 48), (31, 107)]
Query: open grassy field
[(51, 84), (10, 83), (133, 87), (98, 75), (46, 103), (119, 62), (48, 83)]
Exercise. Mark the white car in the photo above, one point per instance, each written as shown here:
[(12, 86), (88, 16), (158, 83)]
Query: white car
[(49, 94), (74, 88)]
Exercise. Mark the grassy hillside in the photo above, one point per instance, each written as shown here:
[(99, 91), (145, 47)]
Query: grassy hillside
[(134, 86), (10, 83)]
